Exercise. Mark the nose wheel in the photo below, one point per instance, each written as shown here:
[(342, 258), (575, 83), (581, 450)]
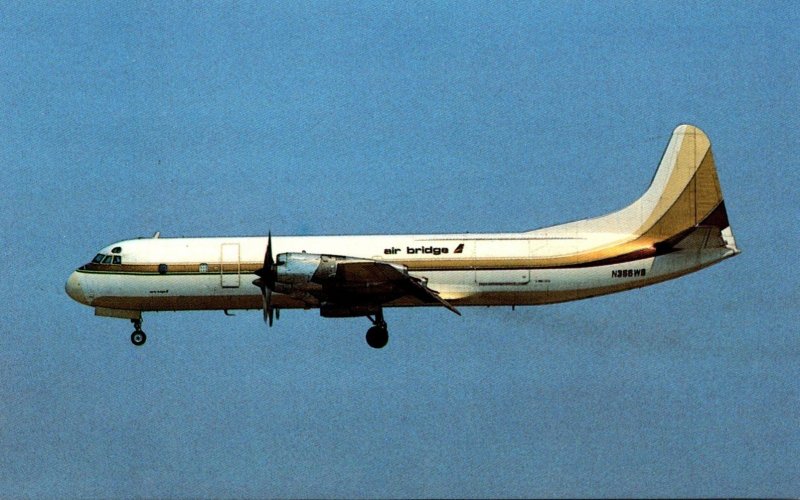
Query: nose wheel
[(378, 334), (138, 336)]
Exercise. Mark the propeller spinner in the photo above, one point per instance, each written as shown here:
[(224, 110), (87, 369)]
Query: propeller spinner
[(267, 276)]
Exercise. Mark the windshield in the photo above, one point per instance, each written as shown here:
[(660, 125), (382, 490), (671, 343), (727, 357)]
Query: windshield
[(102, 258)]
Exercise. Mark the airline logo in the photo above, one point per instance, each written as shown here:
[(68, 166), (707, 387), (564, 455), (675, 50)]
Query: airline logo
[(423, 250)]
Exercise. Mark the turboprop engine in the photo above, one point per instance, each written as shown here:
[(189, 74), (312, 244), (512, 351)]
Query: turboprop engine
[(303, 272), (340, 286), (309, 273)]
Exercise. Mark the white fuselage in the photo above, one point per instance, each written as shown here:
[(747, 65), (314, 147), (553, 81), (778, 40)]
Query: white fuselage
[(466, 269)]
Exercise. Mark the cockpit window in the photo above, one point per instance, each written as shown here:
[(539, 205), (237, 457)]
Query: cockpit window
[(102, 258), (116, 250)]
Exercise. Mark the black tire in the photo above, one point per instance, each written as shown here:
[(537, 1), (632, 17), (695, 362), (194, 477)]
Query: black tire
[(138, 338), (377, 337)]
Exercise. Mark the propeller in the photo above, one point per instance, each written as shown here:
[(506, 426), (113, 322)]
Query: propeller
[(267, 276)]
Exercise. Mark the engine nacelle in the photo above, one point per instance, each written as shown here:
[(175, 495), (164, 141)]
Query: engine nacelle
[(314, 278), (303, 272)]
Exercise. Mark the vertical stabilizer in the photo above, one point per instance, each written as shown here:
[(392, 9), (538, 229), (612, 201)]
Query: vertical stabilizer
[(685, 191), (684, 195)]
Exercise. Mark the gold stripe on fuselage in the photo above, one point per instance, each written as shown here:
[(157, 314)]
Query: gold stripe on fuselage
[(484, 298), (434, 264)]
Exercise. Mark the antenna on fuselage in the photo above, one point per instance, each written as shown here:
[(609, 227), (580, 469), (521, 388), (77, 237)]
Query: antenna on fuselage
[(157, 235)]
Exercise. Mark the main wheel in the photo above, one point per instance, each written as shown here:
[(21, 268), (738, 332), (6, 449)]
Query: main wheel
[(138, 338), (377, 337)]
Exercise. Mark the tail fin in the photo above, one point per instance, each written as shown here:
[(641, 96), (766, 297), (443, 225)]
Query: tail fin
[(685, 193), (683, 197), (685, 189)]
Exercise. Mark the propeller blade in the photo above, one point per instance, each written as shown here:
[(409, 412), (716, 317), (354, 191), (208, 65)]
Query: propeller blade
[(268, 307), (267, 276), (269, 272)]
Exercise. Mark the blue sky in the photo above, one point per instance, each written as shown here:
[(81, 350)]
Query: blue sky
[(120, 119)]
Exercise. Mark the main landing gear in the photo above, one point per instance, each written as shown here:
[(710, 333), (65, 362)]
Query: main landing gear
[(378, 334), (138, 337)]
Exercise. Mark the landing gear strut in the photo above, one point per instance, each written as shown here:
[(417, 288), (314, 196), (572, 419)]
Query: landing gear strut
[(138, 337), (378, 334)]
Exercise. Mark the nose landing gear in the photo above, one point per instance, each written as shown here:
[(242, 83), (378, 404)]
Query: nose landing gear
[(138, 336), (378, 334)]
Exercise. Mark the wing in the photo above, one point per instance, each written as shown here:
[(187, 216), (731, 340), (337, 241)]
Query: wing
[(377, 278), (348, 285)]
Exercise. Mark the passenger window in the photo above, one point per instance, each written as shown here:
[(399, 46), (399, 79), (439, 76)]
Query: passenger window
[(107, 259), (117, 259), (203, 268)]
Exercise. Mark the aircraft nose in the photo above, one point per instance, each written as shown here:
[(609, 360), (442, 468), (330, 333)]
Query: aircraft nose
[(74, 289)]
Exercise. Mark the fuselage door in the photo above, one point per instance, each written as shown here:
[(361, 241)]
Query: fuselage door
[(230, 267)]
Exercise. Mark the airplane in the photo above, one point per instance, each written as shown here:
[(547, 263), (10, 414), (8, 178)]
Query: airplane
[(678, 226)]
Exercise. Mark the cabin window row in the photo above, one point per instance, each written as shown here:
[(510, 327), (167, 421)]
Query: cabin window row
[(164, 269)]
